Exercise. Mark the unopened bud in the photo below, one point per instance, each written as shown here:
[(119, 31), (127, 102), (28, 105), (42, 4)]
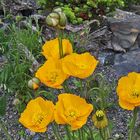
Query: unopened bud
[(18, 18), (62, 20), (34, 83), (58, 10), (16, 101), (57, 19), (52, 19)]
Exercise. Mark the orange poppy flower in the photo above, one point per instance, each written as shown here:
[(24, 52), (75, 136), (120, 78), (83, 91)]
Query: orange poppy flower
[(128, 90), (51, 73), (79, 65), (51, 48), (73, 110), (37, 115)]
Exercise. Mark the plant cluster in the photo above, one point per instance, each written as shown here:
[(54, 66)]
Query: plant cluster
[(17, 64), (71, 109), (78, 11)]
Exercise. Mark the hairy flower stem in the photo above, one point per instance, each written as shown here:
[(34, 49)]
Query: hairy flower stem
[(81, 134), (2, 127), (68, 133), (56, 132), (106, 136), (102, 134), (133, 122), (91, 133), (66, 87), (108, 132), (60, 37)]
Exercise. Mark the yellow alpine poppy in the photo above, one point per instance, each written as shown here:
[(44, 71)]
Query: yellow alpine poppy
[(37, 115), (51, 48), (128, 90), (79, 65), (72, 110), (51, 73)]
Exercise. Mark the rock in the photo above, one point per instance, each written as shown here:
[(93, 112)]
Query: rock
[(94, 41), (125, 28), (121, 15), (135, 8), (78, 28), (128, 62), (24, 7), (106, 58)]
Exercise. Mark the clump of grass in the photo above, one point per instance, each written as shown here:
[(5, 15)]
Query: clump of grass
[(16, 67)]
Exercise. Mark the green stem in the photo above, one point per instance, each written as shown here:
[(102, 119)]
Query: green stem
[(79, 134), (83, 136), (47, 137), (2, 126), (60, 43), (105, 134), (73, 135), (133, 122), (68, 132), (66, 87), (83, 89), (55, 131), (108, 132), (29, 94), (91, 133), (101, 133)]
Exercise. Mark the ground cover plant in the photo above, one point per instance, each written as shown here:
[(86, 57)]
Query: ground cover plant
[(90, 9), (63, 91)]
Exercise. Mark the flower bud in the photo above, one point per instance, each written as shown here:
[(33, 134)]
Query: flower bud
[(52, 19), (16, 101), (57, 19), (34, 83), (57, 10), (18, 18), (100, 120), (62, 20)]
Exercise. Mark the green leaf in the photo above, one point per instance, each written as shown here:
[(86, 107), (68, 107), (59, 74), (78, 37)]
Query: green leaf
[(97, 136), (3, 105)]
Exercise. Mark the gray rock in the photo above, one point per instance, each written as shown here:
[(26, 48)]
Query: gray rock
[(25, 7), (106, 58), (125, 28), (128, 62)]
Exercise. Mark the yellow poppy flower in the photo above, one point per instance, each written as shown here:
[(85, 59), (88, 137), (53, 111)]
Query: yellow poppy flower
[(37, 115), (73, 110), (51, 73), (100, 120), (128, 90), (51, 48), (79, 65)]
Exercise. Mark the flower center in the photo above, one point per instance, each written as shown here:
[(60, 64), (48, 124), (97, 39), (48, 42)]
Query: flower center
[(38, 118), (71, 115), (135, 94), (99, 115), (82, 66), (53, 76)]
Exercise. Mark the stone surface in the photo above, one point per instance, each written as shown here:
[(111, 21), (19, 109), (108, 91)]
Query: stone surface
[(24, 7), (127, 62), (106, 58), (125, 28)]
